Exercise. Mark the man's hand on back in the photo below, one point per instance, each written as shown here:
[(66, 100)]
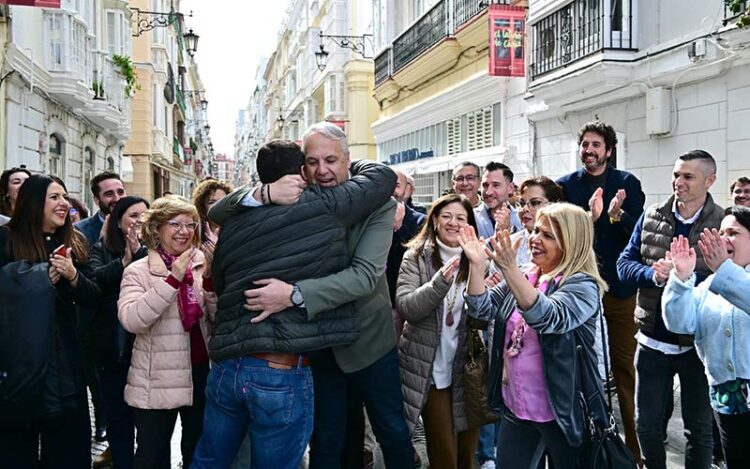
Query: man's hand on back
[(287, 190), (273, 296)]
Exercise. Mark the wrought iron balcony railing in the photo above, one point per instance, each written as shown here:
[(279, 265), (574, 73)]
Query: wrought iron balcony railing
[(426, 32), (580, 29), (465, 10)]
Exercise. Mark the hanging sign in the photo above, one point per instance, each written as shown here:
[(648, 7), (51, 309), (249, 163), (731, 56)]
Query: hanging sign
[(507, 38), (34, 3)]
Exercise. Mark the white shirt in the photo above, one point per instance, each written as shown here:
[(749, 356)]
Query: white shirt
[(442, 366)]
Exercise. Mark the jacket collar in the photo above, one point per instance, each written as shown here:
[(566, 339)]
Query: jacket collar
[(157, 267)]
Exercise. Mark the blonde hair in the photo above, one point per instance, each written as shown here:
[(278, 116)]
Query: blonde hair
[(163, 210), (575, 233)]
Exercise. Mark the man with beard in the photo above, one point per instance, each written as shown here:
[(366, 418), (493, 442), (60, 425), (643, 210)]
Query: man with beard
[(740, 190), (466, 181), (595, 186), (497, 187), (107, 189)]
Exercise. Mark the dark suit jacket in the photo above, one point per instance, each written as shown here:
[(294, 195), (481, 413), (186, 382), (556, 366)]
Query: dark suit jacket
[(609, 238), (409, 228), (91, 228)]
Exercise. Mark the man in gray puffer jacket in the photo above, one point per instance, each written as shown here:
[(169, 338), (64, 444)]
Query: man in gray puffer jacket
[(260, 383)]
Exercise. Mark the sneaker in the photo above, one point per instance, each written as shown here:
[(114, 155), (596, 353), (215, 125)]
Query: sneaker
[(487, 465)]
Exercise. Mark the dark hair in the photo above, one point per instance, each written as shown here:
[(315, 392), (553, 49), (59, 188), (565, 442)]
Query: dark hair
[(740, 180), (741, 213), (552, 191), (700, 155), (278, 158), (26, 226), (5, 208), (102, 177), (82, 211), (203, 191), (468, 163), (495, 166), (114, 240), (428, 232), (605, 131)]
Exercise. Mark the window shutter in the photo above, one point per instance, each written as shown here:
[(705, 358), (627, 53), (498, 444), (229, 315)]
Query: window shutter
[(453, 129)]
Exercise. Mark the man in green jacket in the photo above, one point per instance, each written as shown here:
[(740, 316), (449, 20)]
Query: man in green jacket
[(369, 367)]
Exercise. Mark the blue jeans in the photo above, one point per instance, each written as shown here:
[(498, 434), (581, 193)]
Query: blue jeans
[(379, 386), (273, 406), (487, 442), (654, 376)]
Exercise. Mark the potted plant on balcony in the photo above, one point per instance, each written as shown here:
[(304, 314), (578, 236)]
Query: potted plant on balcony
[(128, 72)]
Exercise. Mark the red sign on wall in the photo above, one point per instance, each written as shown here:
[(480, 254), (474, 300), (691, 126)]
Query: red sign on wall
[(34, 3), (507, 38)]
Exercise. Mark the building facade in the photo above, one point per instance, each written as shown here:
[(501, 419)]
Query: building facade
[(170, 147), (667, 84), (439, 106), (64, 92)]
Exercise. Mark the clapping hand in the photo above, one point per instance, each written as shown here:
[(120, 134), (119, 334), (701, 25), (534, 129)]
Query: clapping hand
[(502, 218), (398, 218), (451, 267), (207, 248), (63, 267), (662, 267), (503, 253), (473, 247), (596, 204), (714, 249), (132, 245), (493, 280), (180, 265), (615, 205), (682, 257)]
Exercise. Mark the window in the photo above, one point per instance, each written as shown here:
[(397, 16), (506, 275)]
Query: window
[(479, 129), (56, 156), (118, 33), (453, 129), (110, 164), (89, 166)]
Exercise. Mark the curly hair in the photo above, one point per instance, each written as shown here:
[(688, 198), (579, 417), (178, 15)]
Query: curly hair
[(163, 210), (605, 131), (203, 191)]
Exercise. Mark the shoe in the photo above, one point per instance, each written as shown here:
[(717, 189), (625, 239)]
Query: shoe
[(100, 434), (103, 460), (488, 465)]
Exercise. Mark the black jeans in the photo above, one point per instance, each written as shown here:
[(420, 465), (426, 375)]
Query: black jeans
[(734, 431), (65, 443), (654, 377), (120, 416), (155, 427), (522, 443)]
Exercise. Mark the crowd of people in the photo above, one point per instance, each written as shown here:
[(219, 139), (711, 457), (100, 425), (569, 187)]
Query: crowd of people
[(322, 311)]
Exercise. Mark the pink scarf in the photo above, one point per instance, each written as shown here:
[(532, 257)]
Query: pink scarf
[(187, 304)]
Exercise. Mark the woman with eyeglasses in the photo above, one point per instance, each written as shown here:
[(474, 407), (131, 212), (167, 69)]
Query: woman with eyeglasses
[(45, 422), (77, 211), (167, 301), (535, 193), (432, 349), (111, 344)]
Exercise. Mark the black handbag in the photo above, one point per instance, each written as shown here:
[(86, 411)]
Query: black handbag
[(602, 447), (476, 399)]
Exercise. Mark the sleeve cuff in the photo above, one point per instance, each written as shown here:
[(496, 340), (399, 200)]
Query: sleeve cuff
[(249, 199), (173, 282), (723, 277)]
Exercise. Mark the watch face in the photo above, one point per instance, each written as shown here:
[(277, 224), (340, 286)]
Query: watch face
[(296, 297)]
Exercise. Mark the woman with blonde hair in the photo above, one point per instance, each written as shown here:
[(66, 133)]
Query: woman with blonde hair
[(432, 349), (167, 300), (542, 356)]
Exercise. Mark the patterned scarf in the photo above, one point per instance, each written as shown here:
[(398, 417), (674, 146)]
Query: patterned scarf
[(187, 304)]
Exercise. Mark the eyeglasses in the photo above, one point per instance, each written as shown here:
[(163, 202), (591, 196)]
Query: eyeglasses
[(177, 226), (461, 179), (533, 204), (73, 211)]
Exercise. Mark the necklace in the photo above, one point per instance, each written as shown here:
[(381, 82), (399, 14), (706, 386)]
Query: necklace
[(449, 321)]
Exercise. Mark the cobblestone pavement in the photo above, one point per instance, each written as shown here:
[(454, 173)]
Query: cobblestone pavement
[(675, 444)]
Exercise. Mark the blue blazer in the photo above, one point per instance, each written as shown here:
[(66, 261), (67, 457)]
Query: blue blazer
[(610, 239), (91, 228)]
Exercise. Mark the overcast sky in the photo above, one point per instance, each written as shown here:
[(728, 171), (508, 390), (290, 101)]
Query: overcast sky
[(234, 34)]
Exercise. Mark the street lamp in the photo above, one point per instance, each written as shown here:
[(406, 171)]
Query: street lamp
[(191, 42), (354, 43)]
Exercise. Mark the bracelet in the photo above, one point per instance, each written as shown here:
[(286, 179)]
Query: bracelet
[(262, 195), (616, 219), (74, 278), (268, 194)]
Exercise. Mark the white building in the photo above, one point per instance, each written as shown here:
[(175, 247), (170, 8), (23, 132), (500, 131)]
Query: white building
[(65, 101), (669, 75)]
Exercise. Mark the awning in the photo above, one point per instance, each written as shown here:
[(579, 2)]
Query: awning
[(447, 163)]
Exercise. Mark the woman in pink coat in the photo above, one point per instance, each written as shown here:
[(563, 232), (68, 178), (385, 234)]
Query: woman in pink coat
[(167, 300)]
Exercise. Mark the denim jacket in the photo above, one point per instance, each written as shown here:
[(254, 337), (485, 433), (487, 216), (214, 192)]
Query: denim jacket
[(717, 313), (565, 317)]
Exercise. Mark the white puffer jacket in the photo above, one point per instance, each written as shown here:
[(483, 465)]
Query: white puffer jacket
[(160, 374)]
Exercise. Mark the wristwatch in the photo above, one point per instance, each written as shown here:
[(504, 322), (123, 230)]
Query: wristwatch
[(296, 297)]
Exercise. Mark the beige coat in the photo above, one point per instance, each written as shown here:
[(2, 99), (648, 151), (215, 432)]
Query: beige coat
[(419, 300), (160, 374)]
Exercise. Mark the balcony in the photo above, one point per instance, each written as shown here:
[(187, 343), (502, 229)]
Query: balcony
[(111, 107), (425, 33), (68, 57), (578, 30), (729, 15)]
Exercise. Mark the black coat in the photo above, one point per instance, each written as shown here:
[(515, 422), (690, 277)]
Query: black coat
[(110, 343), (290, 243), (64, 384)]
